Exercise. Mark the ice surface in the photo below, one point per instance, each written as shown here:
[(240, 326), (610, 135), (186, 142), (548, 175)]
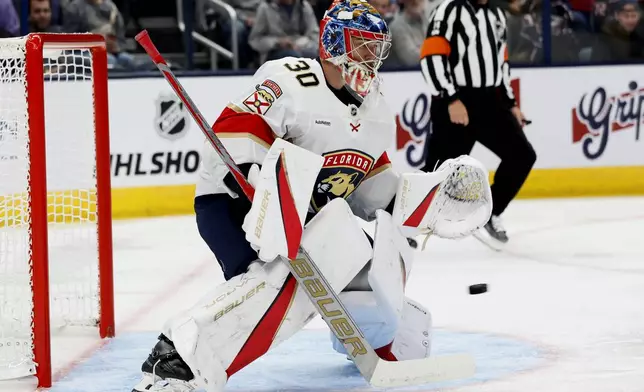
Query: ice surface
[(564, 311)]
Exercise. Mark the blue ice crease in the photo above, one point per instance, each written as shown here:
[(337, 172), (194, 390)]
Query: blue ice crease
[(306, 362)]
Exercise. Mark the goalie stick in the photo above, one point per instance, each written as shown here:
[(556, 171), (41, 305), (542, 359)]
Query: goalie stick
[(376, 371)]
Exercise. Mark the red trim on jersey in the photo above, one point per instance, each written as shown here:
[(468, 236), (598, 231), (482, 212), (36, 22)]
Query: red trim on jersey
[(417, 216), (385, 353), (382, 164), (383, 160), (232, 121), (262, 337)]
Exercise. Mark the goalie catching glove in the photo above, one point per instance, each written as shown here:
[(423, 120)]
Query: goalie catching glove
[(451, 202)]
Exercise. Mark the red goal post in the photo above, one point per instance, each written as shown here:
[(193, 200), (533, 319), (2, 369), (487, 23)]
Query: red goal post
[(55, 203)]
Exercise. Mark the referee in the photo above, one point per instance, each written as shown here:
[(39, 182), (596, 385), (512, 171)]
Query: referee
[(464, 60)]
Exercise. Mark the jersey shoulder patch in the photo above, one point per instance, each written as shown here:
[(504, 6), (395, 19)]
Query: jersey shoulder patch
[(282, 80), (267, 88), (261, 100)]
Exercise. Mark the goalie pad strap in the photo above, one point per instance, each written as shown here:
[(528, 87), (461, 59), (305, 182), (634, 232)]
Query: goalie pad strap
[(390, 266)]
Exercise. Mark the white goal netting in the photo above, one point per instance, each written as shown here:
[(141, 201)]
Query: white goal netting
[(71, 199)]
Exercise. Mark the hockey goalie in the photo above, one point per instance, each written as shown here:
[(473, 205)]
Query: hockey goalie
[(320, 129)]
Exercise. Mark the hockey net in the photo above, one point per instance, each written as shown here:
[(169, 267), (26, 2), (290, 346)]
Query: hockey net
[(55, 223)]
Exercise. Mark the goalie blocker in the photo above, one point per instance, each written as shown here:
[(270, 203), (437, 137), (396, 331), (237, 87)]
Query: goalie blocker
[(254, 311)]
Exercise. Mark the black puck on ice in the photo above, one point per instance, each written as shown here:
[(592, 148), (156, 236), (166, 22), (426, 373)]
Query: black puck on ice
[(478, 289)]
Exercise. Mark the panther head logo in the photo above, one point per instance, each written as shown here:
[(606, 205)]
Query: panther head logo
[(341, 175), (339, 184)]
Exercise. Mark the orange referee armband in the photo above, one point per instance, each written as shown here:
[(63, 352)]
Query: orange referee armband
[(435, 46)]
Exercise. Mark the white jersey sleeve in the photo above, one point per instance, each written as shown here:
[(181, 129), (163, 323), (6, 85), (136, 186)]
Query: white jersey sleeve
[(264, 111), (376, 191)]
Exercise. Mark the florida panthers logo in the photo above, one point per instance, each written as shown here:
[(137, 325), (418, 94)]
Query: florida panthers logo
[(339, 184), (340, 176), (259, 101)]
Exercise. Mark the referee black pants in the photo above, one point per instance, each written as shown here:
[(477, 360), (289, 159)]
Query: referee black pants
[(492, 124)]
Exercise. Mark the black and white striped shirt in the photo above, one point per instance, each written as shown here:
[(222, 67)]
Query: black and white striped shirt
[(466, 46)]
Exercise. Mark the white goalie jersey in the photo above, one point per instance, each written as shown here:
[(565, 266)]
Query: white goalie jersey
[(315, 152), (289, 99)]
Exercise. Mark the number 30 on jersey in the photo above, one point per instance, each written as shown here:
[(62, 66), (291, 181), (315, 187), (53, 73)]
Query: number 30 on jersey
[(306, 79)]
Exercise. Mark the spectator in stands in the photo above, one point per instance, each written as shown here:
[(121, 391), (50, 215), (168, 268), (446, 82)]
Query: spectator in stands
[(584, 8), (246, 15), (9, 22), (408, 31), (525, 36), (285, 28), (40, 17), (620, 40), (246, 10), (320, 7), (386, 8), (54, 6), (100, 17)]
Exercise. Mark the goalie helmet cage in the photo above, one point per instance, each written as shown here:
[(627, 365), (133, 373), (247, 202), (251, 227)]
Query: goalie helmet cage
[(55, 226)]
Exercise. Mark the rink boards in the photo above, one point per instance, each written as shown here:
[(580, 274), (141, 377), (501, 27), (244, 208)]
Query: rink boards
[(585, 129)]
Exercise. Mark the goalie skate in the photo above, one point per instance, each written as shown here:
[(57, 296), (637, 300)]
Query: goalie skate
[(493, 234), (165, 371), (151, 383)]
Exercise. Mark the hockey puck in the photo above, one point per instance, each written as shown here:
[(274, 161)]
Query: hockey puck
[(478, 288)]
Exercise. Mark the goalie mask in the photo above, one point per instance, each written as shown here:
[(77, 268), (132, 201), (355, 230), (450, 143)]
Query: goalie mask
[(355, 38)]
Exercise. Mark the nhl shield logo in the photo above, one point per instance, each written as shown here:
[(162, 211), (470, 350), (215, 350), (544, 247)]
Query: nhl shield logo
[(171, 121)]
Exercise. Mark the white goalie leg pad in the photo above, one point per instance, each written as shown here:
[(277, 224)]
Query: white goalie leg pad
[(378, 330), (251, 313), (406, 338), (390, 266), (375, 297), (283, 191), (413, 339)]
